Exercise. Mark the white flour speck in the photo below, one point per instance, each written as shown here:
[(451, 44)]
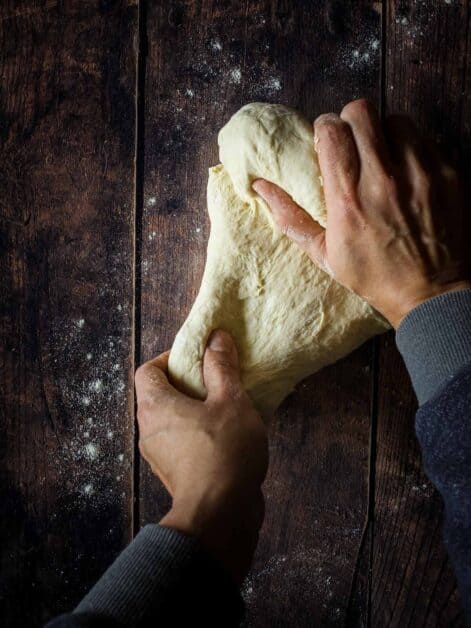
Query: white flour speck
[(91, 451), (85, 401), (236, 75), (89, 356), (152, 235), (216, 45), (151, 201), (274, 84), (80, 323), (190, 93), (109, 434), (88, 489), (121, 457), (96, 385)]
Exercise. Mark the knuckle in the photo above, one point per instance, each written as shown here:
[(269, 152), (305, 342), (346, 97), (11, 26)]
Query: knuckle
[(382, 187), (141, 372), (225, 363), (138, 373)]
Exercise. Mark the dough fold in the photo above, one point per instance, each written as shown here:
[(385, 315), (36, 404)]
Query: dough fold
[(288, 317)]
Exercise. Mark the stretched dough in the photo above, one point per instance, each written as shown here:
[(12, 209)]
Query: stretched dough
[(288, 318)]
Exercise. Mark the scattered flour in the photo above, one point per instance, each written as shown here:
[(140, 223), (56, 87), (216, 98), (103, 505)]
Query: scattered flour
[(91, 389), (96, 385), (216, 45), (235, 75), (91, 451)]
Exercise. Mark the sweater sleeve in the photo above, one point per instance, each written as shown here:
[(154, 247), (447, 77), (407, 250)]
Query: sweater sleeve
[(435, 341), (162, 578)]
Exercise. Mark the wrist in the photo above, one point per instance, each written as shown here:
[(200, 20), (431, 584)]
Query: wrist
[(396, 315), (227, 528)]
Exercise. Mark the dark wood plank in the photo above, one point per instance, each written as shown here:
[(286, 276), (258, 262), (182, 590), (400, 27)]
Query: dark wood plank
[(67, 116), (206, 59), (412, 580)]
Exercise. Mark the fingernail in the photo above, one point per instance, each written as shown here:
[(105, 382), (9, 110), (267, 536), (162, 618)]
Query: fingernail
[(257, 185), (217, 341)]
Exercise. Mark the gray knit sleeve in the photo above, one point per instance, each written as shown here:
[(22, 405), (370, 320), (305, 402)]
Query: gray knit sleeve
[(435, 341), (163, 578)]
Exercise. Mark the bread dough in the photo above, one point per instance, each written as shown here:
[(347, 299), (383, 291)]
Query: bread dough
[(288, 317)]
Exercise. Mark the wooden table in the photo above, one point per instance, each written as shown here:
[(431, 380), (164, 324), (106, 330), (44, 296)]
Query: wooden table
[(109, 115)]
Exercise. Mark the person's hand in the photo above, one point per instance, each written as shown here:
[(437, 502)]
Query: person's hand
[(393, 212), (211, 455)]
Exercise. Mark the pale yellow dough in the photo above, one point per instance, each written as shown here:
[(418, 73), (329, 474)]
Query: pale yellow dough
[(288, 318)]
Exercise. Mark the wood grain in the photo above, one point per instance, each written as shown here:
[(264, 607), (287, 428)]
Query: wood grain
[(413, 585), (205, 60), (67, 226), (352, 535)]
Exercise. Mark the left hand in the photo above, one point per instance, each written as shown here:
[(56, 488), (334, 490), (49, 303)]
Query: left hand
[(211, 455)]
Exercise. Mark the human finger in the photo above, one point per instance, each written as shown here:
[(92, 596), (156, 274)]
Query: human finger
[(338, 162), (363, 119), (221, 366), (293, 221)]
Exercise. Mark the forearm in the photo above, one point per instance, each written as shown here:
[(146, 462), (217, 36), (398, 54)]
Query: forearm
[(162, 578), (435, 341)]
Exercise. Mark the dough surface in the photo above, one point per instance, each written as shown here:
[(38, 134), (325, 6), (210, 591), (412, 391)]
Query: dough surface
[(288, 318)]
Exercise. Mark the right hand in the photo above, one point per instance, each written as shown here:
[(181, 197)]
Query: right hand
[(211, 455), (393, 212)]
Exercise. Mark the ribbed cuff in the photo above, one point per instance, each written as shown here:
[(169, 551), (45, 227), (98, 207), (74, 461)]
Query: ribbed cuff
[(149, 564), (435, 341)]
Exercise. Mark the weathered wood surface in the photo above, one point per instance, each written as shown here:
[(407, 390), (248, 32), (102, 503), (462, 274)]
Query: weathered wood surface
[(67, 75), (353, 532), (205, 60), (412, 584)]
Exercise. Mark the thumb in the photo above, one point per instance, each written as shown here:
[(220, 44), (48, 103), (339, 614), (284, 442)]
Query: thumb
[(294, 222), (221, 365)]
